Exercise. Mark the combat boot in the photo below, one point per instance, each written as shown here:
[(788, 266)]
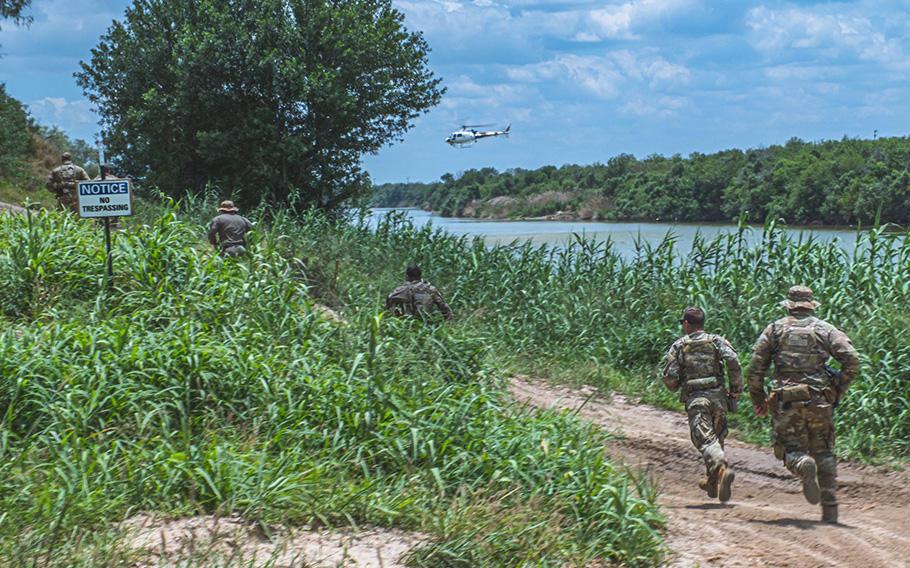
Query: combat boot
[(725, 476), (808, 470), (829, 514), (709, 485)]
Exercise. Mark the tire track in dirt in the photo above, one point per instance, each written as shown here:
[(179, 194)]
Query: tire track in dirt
[(767, 522)]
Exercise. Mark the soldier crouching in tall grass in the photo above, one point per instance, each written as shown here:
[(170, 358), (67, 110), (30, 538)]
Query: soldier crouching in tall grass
[(695, 367)]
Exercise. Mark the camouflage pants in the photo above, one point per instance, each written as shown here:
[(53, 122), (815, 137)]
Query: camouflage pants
[(68, 201), (708, 427), (804, 431)]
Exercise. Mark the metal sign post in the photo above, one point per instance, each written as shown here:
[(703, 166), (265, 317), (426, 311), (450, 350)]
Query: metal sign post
[(103, 199)]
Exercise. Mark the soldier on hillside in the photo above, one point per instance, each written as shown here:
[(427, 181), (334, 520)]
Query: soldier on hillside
[(63, 180), (416, 297), (804, 392), (695, 367), (228, 230)]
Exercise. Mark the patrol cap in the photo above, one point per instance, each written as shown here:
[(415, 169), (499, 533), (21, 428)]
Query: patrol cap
[(800, 298), (66, 156), (694, 315)]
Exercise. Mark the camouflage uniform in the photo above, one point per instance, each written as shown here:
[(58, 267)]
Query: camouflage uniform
[(416, 299), (63, 182), (695, 366), (804, 393)]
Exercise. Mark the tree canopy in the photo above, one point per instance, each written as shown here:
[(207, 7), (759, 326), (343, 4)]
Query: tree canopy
[(15, 10), (15, 138), (273, 100)]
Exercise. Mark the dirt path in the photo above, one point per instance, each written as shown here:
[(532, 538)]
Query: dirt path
[(768, 522)]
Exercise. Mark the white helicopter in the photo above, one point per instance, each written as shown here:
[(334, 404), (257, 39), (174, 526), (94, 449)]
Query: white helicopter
[(468, 136)]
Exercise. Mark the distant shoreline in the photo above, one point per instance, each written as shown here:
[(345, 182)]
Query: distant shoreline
[(568, 217)]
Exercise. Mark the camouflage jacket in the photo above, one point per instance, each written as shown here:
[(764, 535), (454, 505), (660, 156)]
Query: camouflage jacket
[(679, 370), (229, 229), (416, 298), (800, 346), (63, 179)]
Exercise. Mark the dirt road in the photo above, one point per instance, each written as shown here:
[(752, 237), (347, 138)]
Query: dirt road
[(768, 522)]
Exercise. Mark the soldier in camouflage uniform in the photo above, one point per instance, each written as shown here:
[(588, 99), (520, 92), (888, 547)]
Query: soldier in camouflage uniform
[(695, 367), (804, 392), (416, 297), (63, 180)]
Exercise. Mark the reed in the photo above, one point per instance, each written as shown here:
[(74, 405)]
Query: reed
[(584, 313), (199, 385)]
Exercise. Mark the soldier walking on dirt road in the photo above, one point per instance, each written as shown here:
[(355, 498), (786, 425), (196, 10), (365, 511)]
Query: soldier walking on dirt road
[(416, 297), (228, 230), (804, 392), (695, 367), (63, 182)]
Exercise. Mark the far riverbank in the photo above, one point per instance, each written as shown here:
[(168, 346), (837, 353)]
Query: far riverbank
[(624, 236)]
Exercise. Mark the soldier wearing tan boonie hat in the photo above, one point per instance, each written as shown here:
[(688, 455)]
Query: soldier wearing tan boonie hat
[(800, 298), (804, 392), (228, 230)]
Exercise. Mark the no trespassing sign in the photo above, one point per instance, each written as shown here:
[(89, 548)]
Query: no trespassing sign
[(108, 198)]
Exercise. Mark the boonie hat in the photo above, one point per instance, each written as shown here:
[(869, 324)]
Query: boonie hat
[(800, 297), (227, 206)]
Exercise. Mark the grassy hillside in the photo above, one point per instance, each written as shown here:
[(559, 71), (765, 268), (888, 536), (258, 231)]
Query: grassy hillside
[(833, 182), (28, 152), (202, 385)]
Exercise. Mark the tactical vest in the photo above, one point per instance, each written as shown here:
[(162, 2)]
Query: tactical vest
[(67, 177), (699, 363), (799, 356), (413, 299), (423, 300)]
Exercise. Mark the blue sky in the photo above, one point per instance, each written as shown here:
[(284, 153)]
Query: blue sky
[(580, 80)]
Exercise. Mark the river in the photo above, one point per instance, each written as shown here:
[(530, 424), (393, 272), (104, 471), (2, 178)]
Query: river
[(623, 234)]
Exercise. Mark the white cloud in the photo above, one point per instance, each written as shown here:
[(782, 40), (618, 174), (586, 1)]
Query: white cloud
[(622, 20), (481, 22), (664, 106), (71, 116), (841, 33), (604, 76)]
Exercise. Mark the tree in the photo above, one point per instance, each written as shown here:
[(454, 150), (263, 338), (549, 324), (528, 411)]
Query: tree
[(13, 10), (273, 100), (15, 137)]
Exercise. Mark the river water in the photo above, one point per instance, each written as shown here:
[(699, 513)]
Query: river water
[(623, 235)]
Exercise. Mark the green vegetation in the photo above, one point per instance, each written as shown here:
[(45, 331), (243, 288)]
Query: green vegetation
[(15, 138), (203, 385), (269, 100), (834, 182), (15, 11), (28, 151), (583, 314)]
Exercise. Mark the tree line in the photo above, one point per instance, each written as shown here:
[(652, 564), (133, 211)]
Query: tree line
[(836, 182)]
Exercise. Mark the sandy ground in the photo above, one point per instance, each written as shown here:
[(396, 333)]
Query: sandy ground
[(767, 522), (213, 541)]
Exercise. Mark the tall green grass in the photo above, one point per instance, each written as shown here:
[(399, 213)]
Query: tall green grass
[(201, 385), (584, 313)]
